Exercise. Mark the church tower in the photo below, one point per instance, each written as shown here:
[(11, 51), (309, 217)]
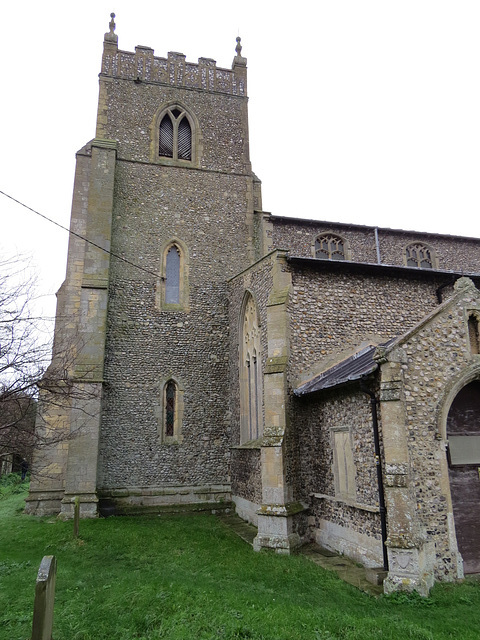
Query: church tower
[(165, 197)]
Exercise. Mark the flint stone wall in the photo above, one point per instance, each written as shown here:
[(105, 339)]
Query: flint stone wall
[(314, 421), (331, 312), (451, 253)]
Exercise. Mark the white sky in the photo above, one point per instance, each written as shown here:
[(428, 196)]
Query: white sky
[(361, 111)]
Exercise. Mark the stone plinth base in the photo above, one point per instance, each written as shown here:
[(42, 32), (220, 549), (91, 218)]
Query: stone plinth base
[(172, 498), (376, 575), (410, 569), (246, 510), (347, 541), (43, 503), (275, 528), (88, 506)]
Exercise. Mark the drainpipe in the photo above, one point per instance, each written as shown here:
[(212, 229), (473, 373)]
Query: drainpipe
[(377, 246), (378, 464)]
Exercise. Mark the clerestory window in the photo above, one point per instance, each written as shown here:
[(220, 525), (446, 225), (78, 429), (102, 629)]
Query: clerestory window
[(419, 255), (175, 135), (330, 247)]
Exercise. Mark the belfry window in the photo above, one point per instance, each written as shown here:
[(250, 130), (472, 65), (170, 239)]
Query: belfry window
[(419, 255), (175, 135), (329, 247)]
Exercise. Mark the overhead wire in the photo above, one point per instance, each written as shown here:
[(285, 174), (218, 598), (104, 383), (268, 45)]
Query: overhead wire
[(78, 235)]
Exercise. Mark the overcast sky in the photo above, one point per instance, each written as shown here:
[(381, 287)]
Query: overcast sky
[(361, 111)]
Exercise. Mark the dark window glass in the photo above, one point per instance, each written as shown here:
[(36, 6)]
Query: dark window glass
[(172, 281), (170, 398)]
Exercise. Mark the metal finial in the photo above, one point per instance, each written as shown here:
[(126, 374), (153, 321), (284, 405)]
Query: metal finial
[(238, 48), (112, 23)]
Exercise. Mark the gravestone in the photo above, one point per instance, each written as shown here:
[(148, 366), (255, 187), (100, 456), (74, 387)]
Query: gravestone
[(44, 599)]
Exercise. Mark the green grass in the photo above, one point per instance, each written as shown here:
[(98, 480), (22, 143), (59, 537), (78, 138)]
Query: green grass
[(188, 577)]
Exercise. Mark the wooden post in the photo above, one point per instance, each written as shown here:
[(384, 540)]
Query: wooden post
[(44, 599), (76, 517)]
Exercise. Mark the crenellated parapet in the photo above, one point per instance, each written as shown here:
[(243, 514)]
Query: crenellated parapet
[(143, 66)]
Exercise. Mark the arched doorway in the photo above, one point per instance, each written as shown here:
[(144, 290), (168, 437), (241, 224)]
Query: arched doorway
[(463, 433)]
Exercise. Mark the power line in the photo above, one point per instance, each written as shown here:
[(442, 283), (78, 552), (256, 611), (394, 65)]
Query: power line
[(78, 235)]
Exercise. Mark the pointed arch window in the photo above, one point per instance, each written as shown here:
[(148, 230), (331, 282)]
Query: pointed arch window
[(172, 290), (251, 397), (171, 412), (170, 407), (175, 135), (172, 276), (419, 255), (330, 247)]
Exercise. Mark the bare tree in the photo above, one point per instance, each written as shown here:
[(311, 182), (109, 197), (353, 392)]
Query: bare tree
[(25, 352), (25, 347)]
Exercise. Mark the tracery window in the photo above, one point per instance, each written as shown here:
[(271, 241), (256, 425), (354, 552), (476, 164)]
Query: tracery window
[(419, 255), (251, 405), (175, 135), (330, 247)]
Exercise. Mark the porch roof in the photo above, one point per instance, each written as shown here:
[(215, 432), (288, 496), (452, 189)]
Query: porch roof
[(360, 364)]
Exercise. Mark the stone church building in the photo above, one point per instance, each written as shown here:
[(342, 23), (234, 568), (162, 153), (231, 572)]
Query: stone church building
[(322, 378)]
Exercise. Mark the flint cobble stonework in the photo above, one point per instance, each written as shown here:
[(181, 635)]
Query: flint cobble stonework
[(450, 253), (343, 309), (314, 422)]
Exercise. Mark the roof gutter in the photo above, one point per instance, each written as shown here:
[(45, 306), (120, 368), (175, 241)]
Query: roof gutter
[(378, 464)]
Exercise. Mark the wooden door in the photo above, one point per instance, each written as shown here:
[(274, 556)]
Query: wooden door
[(463, 433)]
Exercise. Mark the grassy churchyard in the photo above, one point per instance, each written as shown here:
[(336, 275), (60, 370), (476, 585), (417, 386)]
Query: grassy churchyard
[(189, 577)]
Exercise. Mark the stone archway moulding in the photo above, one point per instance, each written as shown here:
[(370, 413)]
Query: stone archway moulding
[(470, 373)]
